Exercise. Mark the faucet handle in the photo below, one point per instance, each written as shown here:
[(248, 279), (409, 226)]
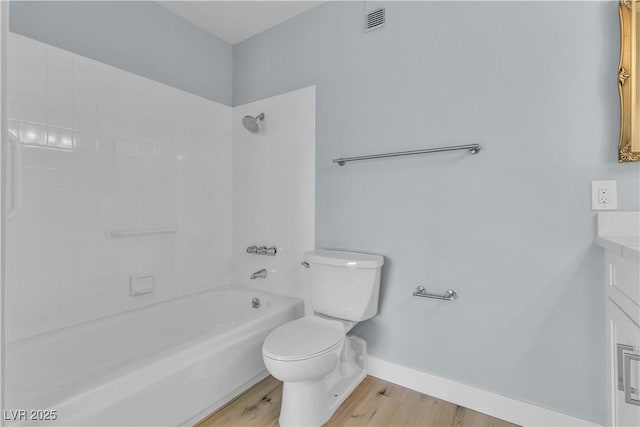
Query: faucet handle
[(271, 251), (252, 249)]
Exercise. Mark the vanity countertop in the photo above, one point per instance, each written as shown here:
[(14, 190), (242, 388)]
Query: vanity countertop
[(626, 246), (619, 232)]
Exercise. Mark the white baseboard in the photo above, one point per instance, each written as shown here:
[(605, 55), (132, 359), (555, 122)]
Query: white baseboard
[(505, 408)]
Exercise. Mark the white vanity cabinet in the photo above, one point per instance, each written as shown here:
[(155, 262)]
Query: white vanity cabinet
[(623, 367), (622, 275)]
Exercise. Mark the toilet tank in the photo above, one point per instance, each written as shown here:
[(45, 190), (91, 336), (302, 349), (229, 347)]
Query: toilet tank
[(344, 285)]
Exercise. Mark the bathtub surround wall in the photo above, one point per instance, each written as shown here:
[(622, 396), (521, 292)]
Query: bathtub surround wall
[(274, 191), (511, 228), (105, 149), (137, 36)]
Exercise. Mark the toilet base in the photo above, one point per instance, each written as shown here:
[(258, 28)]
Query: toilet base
[(312, 403)]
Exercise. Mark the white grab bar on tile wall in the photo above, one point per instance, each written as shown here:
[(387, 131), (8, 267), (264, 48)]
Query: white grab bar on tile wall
[(113, 234), (14, 178)]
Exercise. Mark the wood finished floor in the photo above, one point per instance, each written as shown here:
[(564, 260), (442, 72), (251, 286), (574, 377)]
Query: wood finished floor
[(373, 403)]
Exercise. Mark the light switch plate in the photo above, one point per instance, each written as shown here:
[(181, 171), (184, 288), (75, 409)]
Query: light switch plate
[(604, 195)]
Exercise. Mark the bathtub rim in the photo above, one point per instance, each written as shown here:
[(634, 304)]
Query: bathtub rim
[(137, 310)]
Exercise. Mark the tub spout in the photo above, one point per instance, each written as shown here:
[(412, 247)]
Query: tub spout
[(260, 274)]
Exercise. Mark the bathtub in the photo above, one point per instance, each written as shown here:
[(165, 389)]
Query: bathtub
[(167, 364)]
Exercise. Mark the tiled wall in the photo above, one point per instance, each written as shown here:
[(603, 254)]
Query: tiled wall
[(274, 191), (105, 149)]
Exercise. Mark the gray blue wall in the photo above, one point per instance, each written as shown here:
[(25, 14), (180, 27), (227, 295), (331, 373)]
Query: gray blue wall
[(138, 36), (511, 229)]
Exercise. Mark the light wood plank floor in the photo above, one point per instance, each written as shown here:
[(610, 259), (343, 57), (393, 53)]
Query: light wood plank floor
[(373, 403)]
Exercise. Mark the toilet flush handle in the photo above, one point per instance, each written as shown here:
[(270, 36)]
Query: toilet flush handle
[(305, 264)]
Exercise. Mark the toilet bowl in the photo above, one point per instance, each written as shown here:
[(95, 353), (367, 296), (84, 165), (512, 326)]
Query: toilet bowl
[(303, 349), (317, 362), (310, 356)]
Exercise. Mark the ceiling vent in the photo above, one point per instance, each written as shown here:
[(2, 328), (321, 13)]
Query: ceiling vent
[(374, 19)]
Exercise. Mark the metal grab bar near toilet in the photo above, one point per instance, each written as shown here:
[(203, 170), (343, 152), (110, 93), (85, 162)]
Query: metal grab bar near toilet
[(449, 295)]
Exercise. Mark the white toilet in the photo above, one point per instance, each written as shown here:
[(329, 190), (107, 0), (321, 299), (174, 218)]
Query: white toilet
[(318, 364)]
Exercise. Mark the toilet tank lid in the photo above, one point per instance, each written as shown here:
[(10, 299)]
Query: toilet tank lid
[(343, 259)]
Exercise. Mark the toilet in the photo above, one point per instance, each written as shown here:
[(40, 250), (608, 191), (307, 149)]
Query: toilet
[(318, 363)]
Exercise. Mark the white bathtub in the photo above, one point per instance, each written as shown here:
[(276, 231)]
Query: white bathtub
[(168, 364)]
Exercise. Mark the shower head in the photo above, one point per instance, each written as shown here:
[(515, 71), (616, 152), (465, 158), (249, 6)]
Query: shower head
[(252, 124)]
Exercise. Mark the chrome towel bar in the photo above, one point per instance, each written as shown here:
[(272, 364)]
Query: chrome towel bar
[(449, 295), (472, 148), (113, 234)]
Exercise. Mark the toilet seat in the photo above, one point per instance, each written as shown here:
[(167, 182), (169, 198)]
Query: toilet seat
[(304, 338)]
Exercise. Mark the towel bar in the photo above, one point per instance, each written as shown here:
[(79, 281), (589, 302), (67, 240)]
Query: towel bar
[(472, 148), (112, 234), (449, 295)]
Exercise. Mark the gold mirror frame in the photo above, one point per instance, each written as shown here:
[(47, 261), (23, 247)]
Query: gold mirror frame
[(628, 83)]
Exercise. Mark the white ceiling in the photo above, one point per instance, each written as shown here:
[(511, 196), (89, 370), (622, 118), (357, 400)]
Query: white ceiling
[(234, 21)]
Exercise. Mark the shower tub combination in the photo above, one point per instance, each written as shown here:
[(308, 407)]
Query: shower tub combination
[(167, 364)]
